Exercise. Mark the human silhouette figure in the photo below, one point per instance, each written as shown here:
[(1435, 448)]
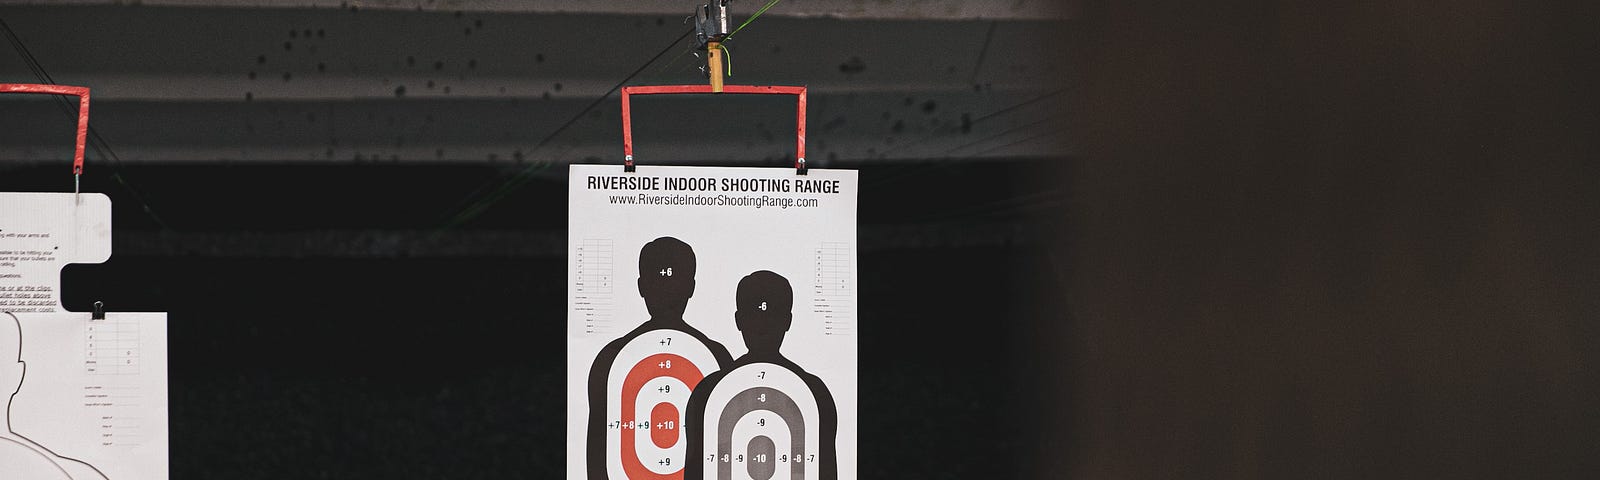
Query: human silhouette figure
[(21, 458), (666, 282), (764, 314)]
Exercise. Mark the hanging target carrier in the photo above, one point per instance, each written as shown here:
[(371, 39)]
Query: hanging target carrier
[(83, 116), (712, 25)]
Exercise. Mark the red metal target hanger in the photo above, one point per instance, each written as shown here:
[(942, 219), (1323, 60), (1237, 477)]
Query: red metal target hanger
[(83, 115), (800, 116)]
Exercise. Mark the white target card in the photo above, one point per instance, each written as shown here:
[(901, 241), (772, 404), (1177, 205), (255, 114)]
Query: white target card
[(84, 398), (711, 323), (39, 234)]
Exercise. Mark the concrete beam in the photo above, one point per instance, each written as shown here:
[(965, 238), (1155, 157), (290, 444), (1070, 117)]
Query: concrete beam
[(847, 9)]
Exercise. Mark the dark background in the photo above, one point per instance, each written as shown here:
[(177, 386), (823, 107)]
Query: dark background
[(1332, 240), (440, 353), (1288, 241)]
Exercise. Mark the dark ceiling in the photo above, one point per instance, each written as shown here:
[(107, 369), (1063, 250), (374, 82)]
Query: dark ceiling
[(495, 82)]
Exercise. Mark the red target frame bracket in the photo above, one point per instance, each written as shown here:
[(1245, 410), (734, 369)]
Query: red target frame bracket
[(800, 116), (83, 113)]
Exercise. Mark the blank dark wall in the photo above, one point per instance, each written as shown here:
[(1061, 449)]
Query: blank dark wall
[(1332, 240)]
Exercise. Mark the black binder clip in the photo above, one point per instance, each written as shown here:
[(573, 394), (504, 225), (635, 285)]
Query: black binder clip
[(627, 164), (99, 310), (800, 166)]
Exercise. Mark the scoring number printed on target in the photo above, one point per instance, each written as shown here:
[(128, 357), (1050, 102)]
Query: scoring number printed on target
[(640, 383)]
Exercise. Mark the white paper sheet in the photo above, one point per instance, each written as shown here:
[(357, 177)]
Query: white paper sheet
[(39, 234), (788, 412), (90, 397), (83, 398)]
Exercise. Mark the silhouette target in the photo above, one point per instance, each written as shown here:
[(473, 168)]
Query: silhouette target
[(640, 383), (764, 417)]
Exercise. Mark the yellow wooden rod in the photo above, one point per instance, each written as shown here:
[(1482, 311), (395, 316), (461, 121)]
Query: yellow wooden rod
[(714, 61)]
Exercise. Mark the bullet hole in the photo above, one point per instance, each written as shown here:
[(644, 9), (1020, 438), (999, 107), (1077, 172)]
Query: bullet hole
[(494, 157), (472, 63), (293, 33), (446, 89), (977, 87), (966, 123), (517, 155), (308, 33), (356, 158), (287, 46), (545, 96), (261, 59), (252, 75), (411, 61), (852, 66), (899, 126), (558, 86), (427, 118), (354, 9), (430, 84), (322, 67), (538, 58), (321, 33), (478, 23), (502, 90), (438, 65), (249, 96), (286, 76), (910, 101), (458, 14), (660, 21), (438, 153), (467, 31), (328, 153), (400, 91), (929, 106), (776, 49)]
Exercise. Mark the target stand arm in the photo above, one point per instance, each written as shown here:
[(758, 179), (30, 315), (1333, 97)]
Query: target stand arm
[(83, 116), (800, 112)]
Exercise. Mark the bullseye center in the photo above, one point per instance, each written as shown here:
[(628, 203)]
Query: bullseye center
[(664, 425)]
